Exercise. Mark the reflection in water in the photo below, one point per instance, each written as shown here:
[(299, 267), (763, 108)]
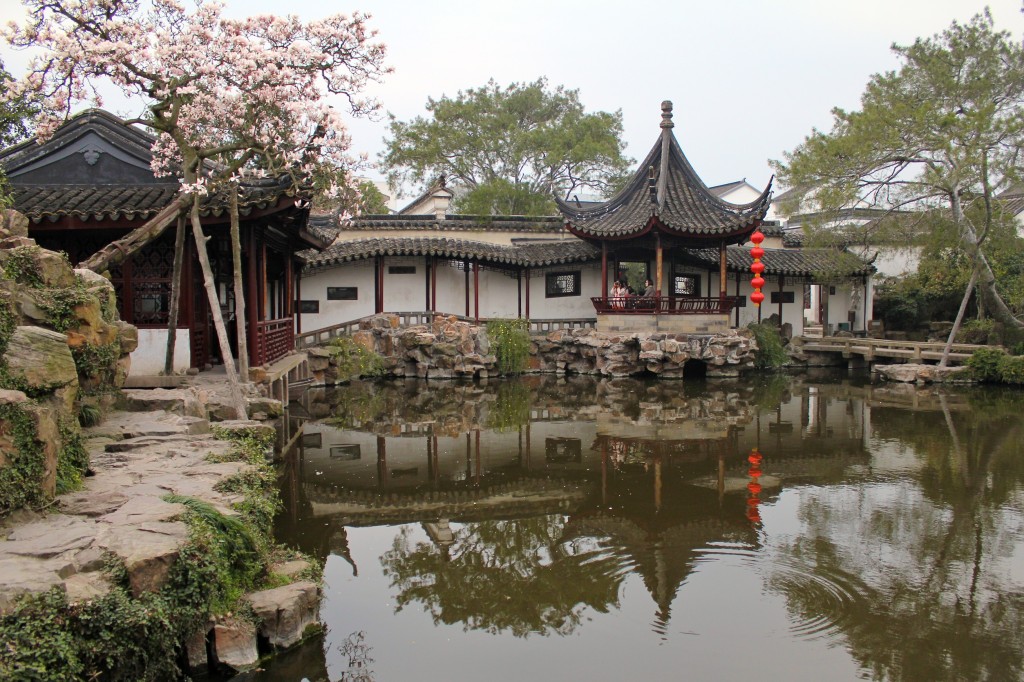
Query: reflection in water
[(357, 652), (882, 526), (519, 576)]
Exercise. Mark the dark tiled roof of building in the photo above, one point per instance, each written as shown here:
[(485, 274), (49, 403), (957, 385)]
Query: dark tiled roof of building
[(666, 187), (793, 239), (450, 223), (1012, 200), (802, 263), (128, 202), (535, 254)]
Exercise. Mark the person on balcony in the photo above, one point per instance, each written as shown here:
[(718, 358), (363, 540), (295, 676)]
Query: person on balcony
[(618, 297), (648, 299)]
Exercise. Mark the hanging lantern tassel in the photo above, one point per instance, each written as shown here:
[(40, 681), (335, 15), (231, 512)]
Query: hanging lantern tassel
[(757, 267)]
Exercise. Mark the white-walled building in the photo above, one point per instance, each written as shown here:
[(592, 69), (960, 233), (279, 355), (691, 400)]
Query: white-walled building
[(665, 225)]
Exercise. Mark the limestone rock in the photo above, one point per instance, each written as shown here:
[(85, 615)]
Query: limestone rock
[(85, 587), (247, 425), (285, 612), (50, 537), (41, 358), (13, 223), (148, 552), (290, 569), (180, 401), (234, 644), (195, 649)]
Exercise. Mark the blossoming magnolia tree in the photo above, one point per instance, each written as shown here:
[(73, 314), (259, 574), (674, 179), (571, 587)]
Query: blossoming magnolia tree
[(225, 97)]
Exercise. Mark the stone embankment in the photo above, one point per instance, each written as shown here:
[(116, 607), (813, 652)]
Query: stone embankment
[(450, 348), (121, 516), (909, 373)]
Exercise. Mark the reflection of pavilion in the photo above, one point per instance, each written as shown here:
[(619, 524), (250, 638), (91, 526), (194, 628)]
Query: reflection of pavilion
[(664, 550)]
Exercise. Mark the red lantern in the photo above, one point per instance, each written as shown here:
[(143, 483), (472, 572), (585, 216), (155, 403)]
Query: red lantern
[(757, 267)]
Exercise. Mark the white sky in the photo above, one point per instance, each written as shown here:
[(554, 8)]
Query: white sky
[(749, 79)]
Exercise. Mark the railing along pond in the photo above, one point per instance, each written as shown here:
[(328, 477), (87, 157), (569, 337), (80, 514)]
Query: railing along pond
[(410, 319), (664, 305), (883, 348)]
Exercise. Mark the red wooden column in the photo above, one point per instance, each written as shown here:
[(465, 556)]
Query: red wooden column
[(252, 292), (518, 293), (465, 264), (298, 303), (658, 256), (604, 270), (263, 280), (426, 282), (289, 274), (737, 296), (782, 281), (527, 293), (721, 271), (433, 285), (476, 292), (378, 303)]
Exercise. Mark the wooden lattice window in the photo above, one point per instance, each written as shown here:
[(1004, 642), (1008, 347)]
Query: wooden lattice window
[(558, 284)]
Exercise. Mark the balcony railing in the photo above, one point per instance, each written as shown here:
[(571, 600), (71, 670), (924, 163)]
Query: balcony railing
[(664, 305), (274, 339)]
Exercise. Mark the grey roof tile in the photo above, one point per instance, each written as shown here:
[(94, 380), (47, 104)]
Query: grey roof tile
[(525, 255)]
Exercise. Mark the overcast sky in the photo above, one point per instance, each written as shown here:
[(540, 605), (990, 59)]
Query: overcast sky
[(748, 79)]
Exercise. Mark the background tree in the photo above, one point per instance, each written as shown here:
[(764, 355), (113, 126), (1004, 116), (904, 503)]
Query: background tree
[(509, 150), (249, 94), (941, 133), (517, 576), (15, 125)]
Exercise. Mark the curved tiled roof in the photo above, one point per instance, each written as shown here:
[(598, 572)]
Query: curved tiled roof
[(800, 263), (127, 202), (463, 223), (666, 192), (525, 255)]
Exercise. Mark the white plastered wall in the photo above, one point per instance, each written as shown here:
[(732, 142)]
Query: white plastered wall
[(148, 358), (357, 274)]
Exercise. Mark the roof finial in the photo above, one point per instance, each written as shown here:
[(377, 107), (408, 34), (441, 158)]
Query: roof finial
[(666, 114)]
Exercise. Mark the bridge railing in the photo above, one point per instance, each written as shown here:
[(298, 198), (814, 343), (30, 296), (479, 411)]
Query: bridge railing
[(872, 348)]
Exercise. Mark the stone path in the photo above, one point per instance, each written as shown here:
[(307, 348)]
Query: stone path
[(138, 458)]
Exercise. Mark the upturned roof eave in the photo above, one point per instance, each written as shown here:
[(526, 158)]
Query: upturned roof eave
[(590, 222)]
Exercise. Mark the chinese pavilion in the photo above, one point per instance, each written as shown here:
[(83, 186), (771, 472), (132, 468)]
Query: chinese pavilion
[(666, 211)]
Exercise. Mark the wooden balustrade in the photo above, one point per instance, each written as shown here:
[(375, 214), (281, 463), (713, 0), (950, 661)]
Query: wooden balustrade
[(664, 305)]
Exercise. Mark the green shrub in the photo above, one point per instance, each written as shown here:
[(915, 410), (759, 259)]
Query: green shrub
[(975, 331), (20, 479), (1011, 369), (354, 361), (20, 266), (771, 353), (73, 459), (985, 364), (510, 341)]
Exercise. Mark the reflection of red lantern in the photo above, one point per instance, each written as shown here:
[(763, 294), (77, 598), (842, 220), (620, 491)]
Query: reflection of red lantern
[(754, 487), (757, 267)]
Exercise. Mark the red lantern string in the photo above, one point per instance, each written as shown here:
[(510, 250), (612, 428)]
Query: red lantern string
[(757, 267)]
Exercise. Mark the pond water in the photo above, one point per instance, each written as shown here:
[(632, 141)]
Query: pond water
[(550, 529)]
